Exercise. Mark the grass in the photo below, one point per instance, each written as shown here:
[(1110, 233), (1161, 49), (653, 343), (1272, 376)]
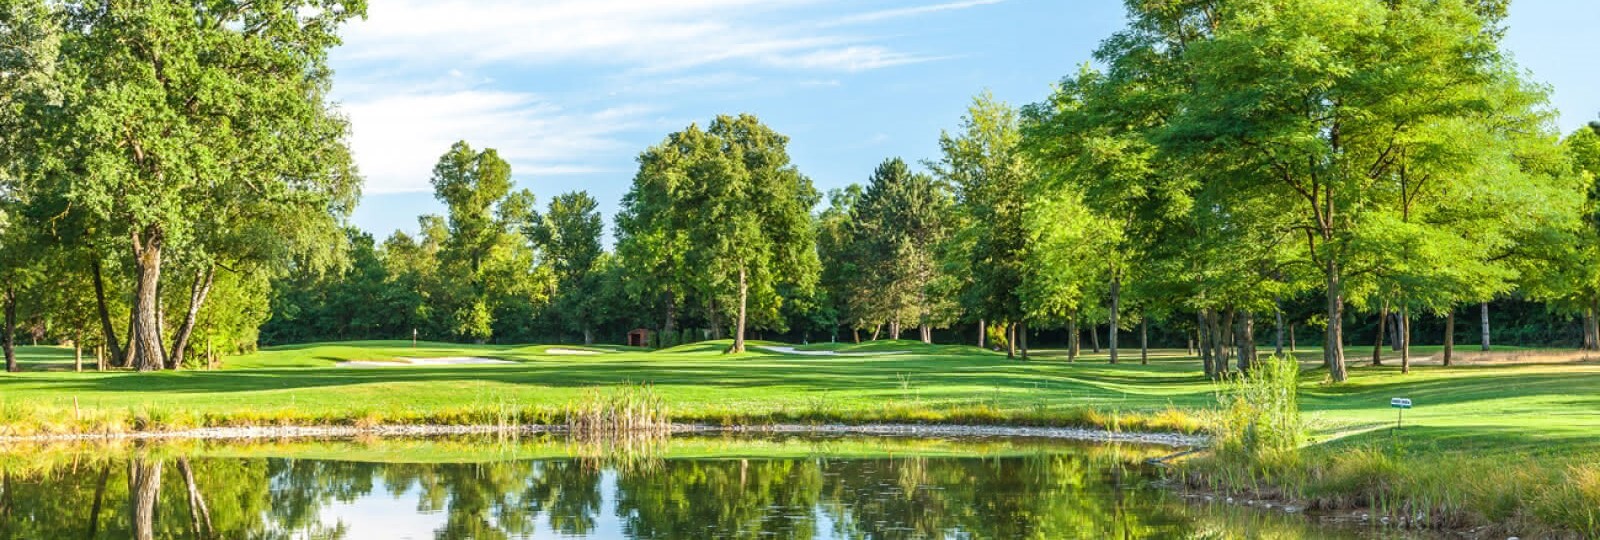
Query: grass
[(1526, 434)]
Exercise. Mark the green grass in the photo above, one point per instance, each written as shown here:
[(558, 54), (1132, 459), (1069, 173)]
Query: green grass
[(1533, 429)]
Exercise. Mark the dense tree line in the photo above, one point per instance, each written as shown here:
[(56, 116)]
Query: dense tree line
[(1226, 174)]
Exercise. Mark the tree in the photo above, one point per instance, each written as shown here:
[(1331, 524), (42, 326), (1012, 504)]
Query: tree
[(487, 267), (166, 107), (722, 213), (900, 221), (842, 260), (1324, 109), (988, 170), (568, 234)]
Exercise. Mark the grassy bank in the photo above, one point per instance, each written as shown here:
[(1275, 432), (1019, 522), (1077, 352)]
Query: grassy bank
[(1501, 441)]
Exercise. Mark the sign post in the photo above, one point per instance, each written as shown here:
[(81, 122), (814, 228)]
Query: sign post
[(1400, 405)]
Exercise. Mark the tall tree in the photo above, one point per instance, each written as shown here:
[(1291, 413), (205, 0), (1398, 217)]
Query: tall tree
[(487, 262), (987, 168), (900, 221), (722, 213), (569, 234), (162, 108)]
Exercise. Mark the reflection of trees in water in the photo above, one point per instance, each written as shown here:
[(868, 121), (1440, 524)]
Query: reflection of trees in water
[(736, 498), (1043, 496)]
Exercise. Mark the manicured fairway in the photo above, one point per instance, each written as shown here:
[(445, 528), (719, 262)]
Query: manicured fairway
[(1534, 407)]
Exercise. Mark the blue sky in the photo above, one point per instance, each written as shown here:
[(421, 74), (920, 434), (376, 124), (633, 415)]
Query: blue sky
[(570, 91)]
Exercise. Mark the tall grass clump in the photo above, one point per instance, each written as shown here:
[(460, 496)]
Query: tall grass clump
[(621, 411), (1259, 419)]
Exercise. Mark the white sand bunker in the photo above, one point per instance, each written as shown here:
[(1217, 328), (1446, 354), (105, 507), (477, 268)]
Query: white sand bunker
[(442, 361), (573, 352), (792, 350)]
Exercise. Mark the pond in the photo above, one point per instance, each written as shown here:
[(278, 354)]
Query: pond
[(699, 487)]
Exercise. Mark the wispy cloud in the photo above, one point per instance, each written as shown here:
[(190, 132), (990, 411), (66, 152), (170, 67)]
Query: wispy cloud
[(430, 72), (398, 137), (886, 14), (649, 34)]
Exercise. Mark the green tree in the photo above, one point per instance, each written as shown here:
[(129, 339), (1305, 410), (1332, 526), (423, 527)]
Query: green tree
[(165, 107), (722, 214), (1325, 109), (989, 171), (569, 235), (485, 264), (900, 221)]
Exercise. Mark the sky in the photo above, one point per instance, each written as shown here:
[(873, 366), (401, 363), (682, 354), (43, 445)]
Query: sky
[(570, 91)]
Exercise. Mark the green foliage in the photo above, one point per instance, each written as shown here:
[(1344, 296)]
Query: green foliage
[(1259, 413), (720, 218), (987, 169)]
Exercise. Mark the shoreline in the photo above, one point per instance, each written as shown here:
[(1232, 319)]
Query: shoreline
[(1172, 440)]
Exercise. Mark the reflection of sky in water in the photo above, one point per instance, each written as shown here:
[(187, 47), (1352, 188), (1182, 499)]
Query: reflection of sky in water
[(1052, 491), (381, 516)]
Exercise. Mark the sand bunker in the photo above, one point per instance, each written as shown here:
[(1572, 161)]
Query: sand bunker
[(572, 352), (792, 350), (443, 361)]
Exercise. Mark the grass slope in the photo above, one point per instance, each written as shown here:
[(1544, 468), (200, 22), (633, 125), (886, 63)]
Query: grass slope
[(1530, 430)]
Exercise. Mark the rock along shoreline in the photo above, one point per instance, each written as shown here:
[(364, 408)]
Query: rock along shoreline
[(1175, 440)]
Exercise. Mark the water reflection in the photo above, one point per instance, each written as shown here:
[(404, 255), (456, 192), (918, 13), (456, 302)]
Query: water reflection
[(222, 492)]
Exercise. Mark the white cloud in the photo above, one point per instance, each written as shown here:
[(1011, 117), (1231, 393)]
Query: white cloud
[(875, 16), (397, 138), (653, 35), (430, 72)]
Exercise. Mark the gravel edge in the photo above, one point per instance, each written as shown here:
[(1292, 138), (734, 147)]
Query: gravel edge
[(1176, 440)]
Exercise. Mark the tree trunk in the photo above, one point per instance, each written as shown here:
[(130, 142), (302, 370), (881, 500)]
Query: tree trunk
[(855, 335), (197, 298), (199, 514), (744, 293), (877, 330), (1405, 339), (144, 485), (894, 327), (1449, 336), (1247, 342), (983, 332), (1202, 341), (146, 342), (1594, 328), (1483, 316), (1073, 338), (113, 345), (1394, 332), (1022, 337), (1144, 340), (1333, 341), (1116, 301), (1228, 342), (77, 353), (1189, 339), (1377, 346), (9, 341), (588, 336), (1094, 337), (926, 332), (99, 501), (1291, 338)]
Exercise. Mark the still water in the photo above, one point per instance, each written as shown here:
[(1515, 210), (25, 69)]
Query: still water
[(546, 487)]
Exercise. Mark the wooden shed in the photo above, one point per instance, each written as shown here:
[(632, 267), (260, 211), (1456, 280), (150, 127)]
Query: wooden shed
[(639, 337)]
